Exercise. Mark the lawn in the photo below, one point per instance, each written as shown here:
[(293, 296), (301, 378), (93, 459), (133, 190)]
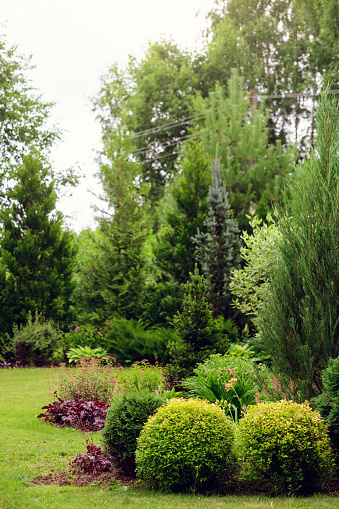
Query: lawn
[(29, 447)]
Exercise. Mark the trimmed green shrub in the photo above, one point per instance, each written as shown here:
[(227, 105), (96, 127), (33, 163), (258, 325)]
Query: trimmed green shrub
[(36, 342), (186, 445), (125, 419), (327, 403), (286, 445)]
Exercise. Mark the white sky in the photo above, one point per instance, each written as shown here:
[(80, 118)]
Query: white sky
[(72, 43)]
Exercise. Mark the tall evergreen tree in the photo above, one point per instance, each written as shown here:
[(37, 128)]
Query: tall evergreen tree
[(182, 212), (253, 174), (218, 249), (113, 275), (37, 255), (299, 322)]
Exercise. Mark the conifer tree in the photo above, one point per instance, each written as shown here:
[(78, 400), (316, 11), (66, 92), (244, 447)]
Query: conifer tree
[(299, 322), (218, 249), (253, 174), (197, 329), (185, 210), (114, 277), (37, 255)]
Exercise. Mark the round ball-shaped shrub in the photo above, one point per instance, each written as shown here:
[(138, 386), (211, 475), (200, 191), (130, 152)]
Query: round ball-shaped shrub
[(125, 419), (285, 444), (186, 445)]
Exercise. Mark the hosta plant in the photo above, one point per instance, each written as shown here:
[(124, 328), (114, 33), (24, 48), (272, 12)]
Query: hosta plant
[(86, 352)]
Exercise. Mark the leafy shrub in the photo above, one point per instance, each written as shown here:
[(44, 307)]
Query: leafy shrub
[(285, 444), (225, 379), (185, 445), (76, 413), (327, 403), (88, 381), (125, 419), (86, 352), (85, 335), (128, 341), (143, 376), (94, 461), (36, 342)]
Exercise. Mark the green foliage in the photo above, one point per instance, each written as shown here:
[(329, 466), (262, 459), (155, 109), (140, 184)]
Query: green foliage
[(151, 92), (90, 380), (111, 279), (129, 341), (253, 174), (84, 335), (85, 352), (186, 445), (218, 249), (125, 419), (163, 299), (299, 321), (198, 330), (37, 255), (36, 342), (143, 377), (260, 253), (226, 380), (280, 47), (285, 444), (182, 212), (327, 404), (24, 116)]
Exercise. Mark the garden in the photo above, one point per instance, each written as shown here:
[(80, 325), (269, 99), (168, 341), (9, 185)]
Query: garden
[(184, 354)]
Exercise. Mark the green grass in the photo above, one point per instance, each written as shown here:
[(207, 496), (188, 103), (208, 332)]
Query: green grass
[(29, 447)]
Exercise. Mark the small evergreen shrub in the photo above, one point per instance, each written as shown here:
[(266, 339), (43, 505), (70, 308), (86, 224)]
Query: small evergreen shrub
[(285, 444), (125, 419), (327, 403), (36, 342), (186, 445)]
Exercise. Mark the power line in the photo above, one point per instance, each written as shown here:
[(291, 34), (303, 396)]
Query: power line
[(191, 118)]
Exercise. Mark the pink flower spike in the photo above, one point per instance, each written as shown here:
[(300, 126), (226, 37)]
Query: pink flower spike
[(231, 371), (120, 367)]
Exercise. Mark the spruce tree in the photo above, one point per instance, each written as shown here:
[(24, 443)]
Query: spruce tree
[(299, 322), (114, 278), (218, 249), (182, 212), (37, 255), (197, 329)]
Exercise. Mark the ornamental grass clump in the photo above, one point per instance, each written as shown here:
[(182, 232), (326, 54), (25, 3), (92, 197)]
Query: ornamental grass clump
[(285, 445), (185, 446), (90, 380)]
